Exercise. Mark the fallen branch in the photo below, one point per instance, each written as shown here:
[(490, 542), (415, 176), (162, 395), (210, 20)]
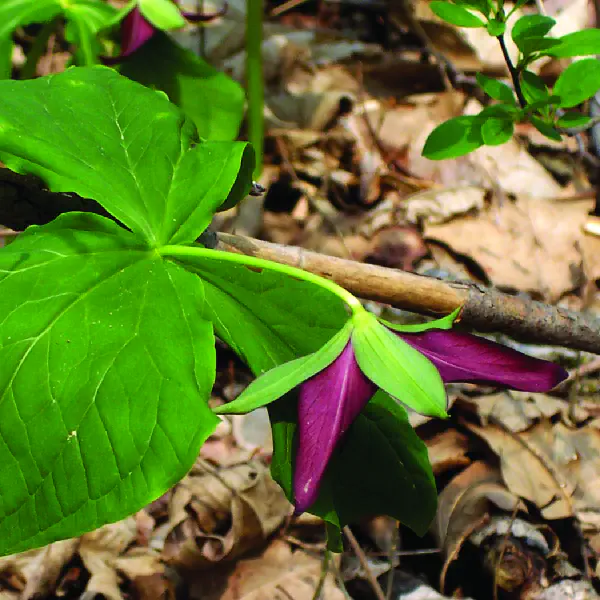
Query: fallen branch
[(484, 309)]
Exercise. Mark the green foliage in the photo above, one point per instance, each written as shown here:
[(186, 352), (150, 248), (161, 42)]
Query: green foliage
[(455, 137), (541, 106), (163, 14), (578, 82), (84, 18), (213, 101), (107, 343), (455, 14)]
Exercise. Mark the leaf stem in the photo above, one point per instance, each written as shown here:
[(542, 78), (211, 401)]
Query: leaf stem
[(514, 73), (182, 252)]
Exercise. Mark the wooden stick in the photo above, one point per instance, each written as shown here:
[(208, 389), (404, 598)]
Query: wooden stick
[(484, 309)]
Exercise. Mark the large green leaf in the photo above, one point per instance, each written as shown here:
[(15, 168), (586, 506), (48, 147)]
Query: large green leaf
[(453, 138), (107, 364), (163, 14), (105, 137), (456, 15), (214, 101), (269, 319)]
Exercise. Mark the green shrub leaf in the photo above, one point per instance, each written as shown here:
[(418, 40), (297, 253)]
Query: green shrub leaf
[(533, 87), (496, 131), (548, 130), (531, 27), (455, 15), (455, 137), (579, 43), (496, 89), (573, 119), (578, 82)]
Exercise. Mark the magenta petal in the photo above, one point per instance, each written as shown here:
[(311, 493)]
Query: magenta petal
[(205, 17), (135, 32), (465, 357), (328, 404)]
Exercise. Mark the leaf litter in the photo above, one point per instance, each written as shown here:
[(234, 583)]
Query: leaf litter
[(348, 108)]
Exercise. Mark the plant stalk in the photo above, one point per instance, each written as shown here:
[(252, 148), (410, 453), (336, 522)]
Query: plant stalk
[(38, 49), (197, 252), (514, 73), (255, 81)]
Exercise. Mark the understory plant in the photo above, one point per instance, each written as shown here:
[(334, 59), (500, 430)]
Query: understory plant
[(107, 332), (528, 98)]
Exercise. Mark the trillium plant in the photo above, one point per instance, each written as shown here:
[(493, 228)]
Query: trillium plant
[(107, 332)]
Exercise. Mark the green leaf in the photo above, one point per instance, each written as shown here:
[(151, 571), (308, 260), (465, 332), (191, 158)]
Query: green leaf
[(496, 27), (579, 43), (578, 82), (455, 137), (211, 99), (18, 13), (163, 14), (284, 378), (496, 89), (455, 15), (531, 27), (533, 87), (85, 18), (91, 122), (573, 119), (397, 368), (384, 465), (483, 6), (108, 364), (531, 45), (496, 131), (444, 323), (380, 467), (545, 128)]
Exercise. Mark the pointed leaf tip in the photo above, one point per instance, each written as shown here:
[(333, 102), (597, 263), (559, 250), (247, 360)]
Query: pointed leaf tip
[(328, 404), (465, 357)]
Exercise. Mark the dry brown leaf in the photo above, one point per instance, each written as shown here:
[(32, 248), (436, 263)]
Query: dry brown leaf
[(528, 466), (277, 574), (447, 450), (219, 513), (464, 503), (440, 205), (543, 237), (517, 411)]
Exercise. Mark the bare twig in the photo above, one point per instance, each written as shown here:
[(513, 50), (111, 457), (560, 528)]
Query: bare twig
[(364, 564), (483, 309)]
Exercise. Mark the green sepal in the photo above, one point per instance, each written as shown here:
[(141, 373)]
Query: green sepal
[(444, 323), (273, 384), (163, 14), (397, 368)]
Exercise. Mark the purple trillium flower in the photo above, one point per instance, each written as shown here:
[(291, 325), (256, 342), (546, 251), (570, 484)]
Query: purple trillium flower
[(331, 400), (410, 363), (136, 30)]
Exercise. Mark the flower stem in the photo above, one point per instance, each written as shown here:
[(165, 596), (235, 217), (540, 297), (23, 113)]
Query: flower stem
[(196, 252), (514, 73), (254, 79)]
